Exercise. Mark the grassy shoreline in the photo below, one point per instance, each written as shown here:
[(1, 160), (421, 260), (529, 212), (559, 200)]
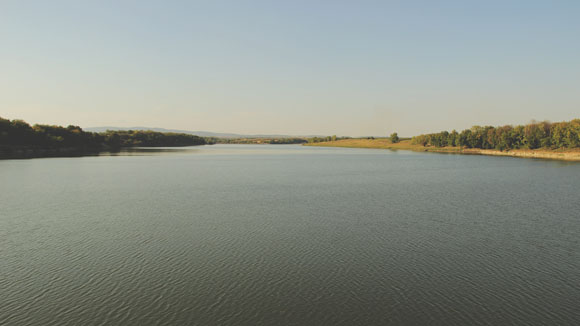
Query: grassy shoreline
[(564, 155)]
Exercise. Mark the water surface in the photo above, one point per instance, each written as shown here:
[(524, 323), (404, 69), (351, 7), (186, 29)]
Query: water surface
[(289, 235)]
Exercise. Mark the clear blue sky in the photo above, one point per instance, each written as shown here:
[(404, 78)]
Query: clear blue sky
[(292, 67)]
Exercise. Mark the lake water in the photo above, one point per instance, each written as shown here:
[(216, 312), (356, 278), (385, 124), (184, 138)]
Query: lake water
[(289, 235)]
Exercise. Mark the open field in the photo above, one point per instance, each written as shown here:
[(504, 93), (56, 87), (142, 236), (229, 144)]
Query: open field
[(566, 155)]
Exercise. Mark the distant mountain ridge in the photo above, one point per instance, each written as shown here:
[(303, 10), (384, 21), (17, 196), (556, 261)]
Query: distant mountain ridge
[(197, 133)]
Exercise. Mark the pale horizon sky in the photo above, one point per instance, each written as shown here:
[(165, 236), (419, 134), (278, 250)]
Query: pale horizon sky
[(353, 68)]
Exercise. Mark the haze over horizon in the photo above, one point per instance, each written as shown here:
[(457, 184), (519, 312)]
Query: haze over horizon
[(294, 68)]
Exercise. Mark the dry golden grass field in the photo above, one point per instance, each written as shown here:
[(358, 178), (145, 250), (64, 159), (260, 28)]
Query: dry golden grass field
[(566, 155)]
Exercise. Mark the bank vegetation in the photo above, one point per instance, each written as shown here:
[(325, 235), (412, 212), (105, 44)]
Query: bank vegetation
[(19, 139), (546, 140)]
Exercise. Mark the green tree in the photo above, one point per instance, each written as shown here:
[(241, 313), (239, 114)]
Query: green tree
[(394, 138), (453, 138)]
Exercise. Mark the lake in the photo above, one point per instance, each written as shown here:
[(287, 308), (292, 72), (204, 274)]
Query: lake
[(289, 235)]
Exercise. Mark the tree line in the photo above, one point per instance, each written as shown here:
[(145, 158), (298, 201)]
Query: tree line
[(325, 139), (146, 138), (285, 140), (19, 134), (531, 136)]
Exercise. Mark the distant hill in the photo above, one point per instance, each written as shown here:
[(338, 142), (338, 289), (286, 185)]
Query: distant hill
[(197, 133)]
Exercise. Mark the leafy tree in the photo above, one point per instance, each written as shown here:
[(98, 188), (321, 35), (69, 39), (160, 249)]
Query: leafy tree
[(453, 138)]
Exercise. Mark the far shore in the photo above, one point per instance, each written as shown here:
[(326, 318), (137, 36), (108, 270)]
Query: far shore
[(383, 143)]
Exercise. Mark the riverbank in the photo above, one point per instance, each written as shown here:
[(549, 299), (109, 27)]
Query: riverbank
[(564, 155), (11, 153), (26, 152)]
